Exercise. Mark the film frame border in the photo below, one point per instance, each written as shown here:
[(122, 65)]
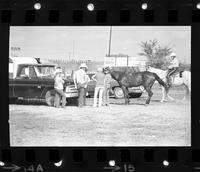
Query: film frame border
[(173, 13), (105, 12)]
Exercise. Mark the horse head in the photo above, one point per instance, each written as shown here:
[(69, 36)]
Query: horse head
[(114, 73)]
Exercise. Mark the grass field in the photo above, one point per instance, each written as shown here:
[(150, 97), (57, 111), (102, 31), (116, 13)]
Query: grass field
[(159, 124)]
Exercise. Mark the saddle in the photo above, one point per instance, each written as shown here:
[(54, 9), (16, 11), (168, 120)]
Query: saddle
[(178, 73)]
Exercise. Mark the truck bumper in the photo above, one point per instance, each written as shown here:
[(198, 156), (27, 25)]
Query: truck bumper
[(69, 95)]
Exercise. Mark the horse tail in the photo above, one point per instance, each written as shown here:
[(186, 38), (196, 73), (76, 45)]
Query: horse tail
[(160, 81)]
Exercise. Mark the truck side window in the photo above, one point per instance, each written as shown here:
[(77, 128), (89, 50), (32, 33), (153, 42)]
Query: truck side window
[(28, 72), (32, 72), (24, 72)]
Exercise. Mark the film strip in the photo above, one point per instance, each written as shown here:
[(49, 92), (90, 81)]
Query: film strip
[(126, 159), (99, 13)]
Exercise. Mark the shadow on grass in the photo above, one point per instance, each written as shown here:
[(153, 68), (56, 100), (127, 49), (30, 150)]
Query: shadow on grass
[(27, 102)]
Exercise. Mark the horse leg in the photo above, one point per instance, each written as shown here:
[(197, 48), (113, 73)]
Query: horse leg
[(187, 95), (167, 94), (125, 95), (171, 98), (163, 94), (150, 94)]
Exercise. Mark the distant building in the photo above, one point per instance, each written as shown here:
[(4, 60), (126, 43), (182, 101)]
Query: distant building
[(125, 61)]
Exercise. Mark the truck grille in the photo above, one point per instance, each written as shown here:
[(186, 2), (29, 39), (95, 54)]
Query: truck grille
[(71, 88)]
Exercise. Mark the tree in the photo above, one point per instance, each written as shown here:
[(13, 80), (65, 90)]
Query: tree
[(155, 53)]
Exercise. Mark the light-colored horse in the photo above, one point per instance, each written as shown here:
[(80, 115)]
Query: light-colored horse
[(176, 81)]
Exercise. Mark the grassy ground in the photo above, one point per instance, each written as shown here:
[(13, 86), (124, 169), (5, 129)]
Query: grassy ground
[(159, 124)]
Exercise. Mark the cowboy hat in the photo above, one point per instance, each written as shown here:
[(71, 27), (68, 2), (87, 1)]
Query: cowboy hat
[(83, 65), (99, 69), (172, 55), (58, 70)]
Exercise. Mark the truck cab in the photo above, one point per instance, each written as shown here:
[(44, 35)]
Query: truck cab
[(31, 80)]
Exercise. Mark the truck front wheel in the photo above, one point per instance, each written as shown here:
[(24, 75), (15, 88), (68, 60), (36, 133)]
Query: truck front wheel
[(49, 97), (118, 92)]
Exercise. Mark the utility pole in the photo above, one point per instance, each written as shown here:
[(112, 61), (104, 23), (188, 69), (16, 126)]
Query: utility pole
[(110, 37), (73, 48), (69, 53)]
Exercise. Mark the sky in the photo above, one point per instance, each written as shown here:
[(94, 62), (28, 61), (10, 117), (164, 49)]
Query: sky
[(92, 42)]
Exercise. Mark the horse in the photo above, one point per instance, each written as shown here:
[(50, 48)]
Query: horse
[(134, 79), (179, 79)]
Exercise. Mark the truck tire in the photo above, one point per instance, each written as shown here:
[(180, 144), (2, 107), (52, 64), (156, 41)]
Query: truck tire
[(49, 97), (118, 92), (135, 95)]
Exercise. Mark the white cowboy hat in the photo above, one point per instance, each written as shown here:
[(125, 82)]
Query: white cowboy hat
[(172, 55), (99, 69), (83, 65), (58, 70)]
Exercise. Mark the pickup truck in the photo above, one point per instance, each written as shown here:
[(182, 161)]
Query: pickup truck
[(34, 81)]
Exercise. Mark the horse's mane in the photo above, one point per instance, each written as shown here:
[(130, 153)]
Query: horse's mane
[(157, 69)]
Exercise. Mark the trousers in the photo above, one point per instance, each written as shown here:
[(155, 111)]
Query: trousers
[(99, 90), (60, 94), (170, 72), (81, 96), (106, 95)]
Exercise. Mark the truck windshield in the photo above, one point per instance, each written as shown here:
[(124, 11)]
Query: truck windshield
[(45, 71)]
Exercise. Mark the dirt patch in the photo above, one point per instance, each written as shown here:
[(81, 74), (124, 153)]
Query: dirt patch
[(159, 124)]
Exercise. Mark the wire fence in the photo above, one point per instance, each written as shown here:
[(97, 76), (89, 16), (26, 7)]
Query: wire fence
[(68, 66)]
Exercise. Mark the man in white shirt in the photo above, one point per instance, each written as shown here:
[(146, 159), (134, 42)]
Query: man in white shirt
[(58, 86), (80, 80), (173, 67)]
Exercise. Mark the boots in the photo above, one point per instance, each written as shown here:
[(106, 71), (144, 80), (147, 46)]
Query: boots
[(168, 81)]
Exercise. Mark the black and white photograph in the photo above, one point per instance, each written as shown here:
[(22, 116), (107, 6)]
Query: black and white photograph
[(100, 86)]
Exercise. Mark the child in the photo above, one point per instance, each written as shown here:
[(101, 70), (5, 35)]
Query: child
[(58, 86), (99, 89)]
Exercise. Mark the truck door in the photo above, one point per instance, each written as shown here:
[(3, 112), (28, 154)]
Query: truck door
[(11, 87), (25, 85)]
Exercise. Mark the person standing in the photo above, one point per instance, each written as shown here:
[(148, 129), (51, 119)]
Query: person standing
[(58, 86), (99, 88), (173, 67), (80, 80), (107, 82)]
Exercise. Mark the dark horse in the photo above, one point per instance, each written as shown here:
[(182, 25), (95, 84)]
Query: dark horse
[(134, 79)]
